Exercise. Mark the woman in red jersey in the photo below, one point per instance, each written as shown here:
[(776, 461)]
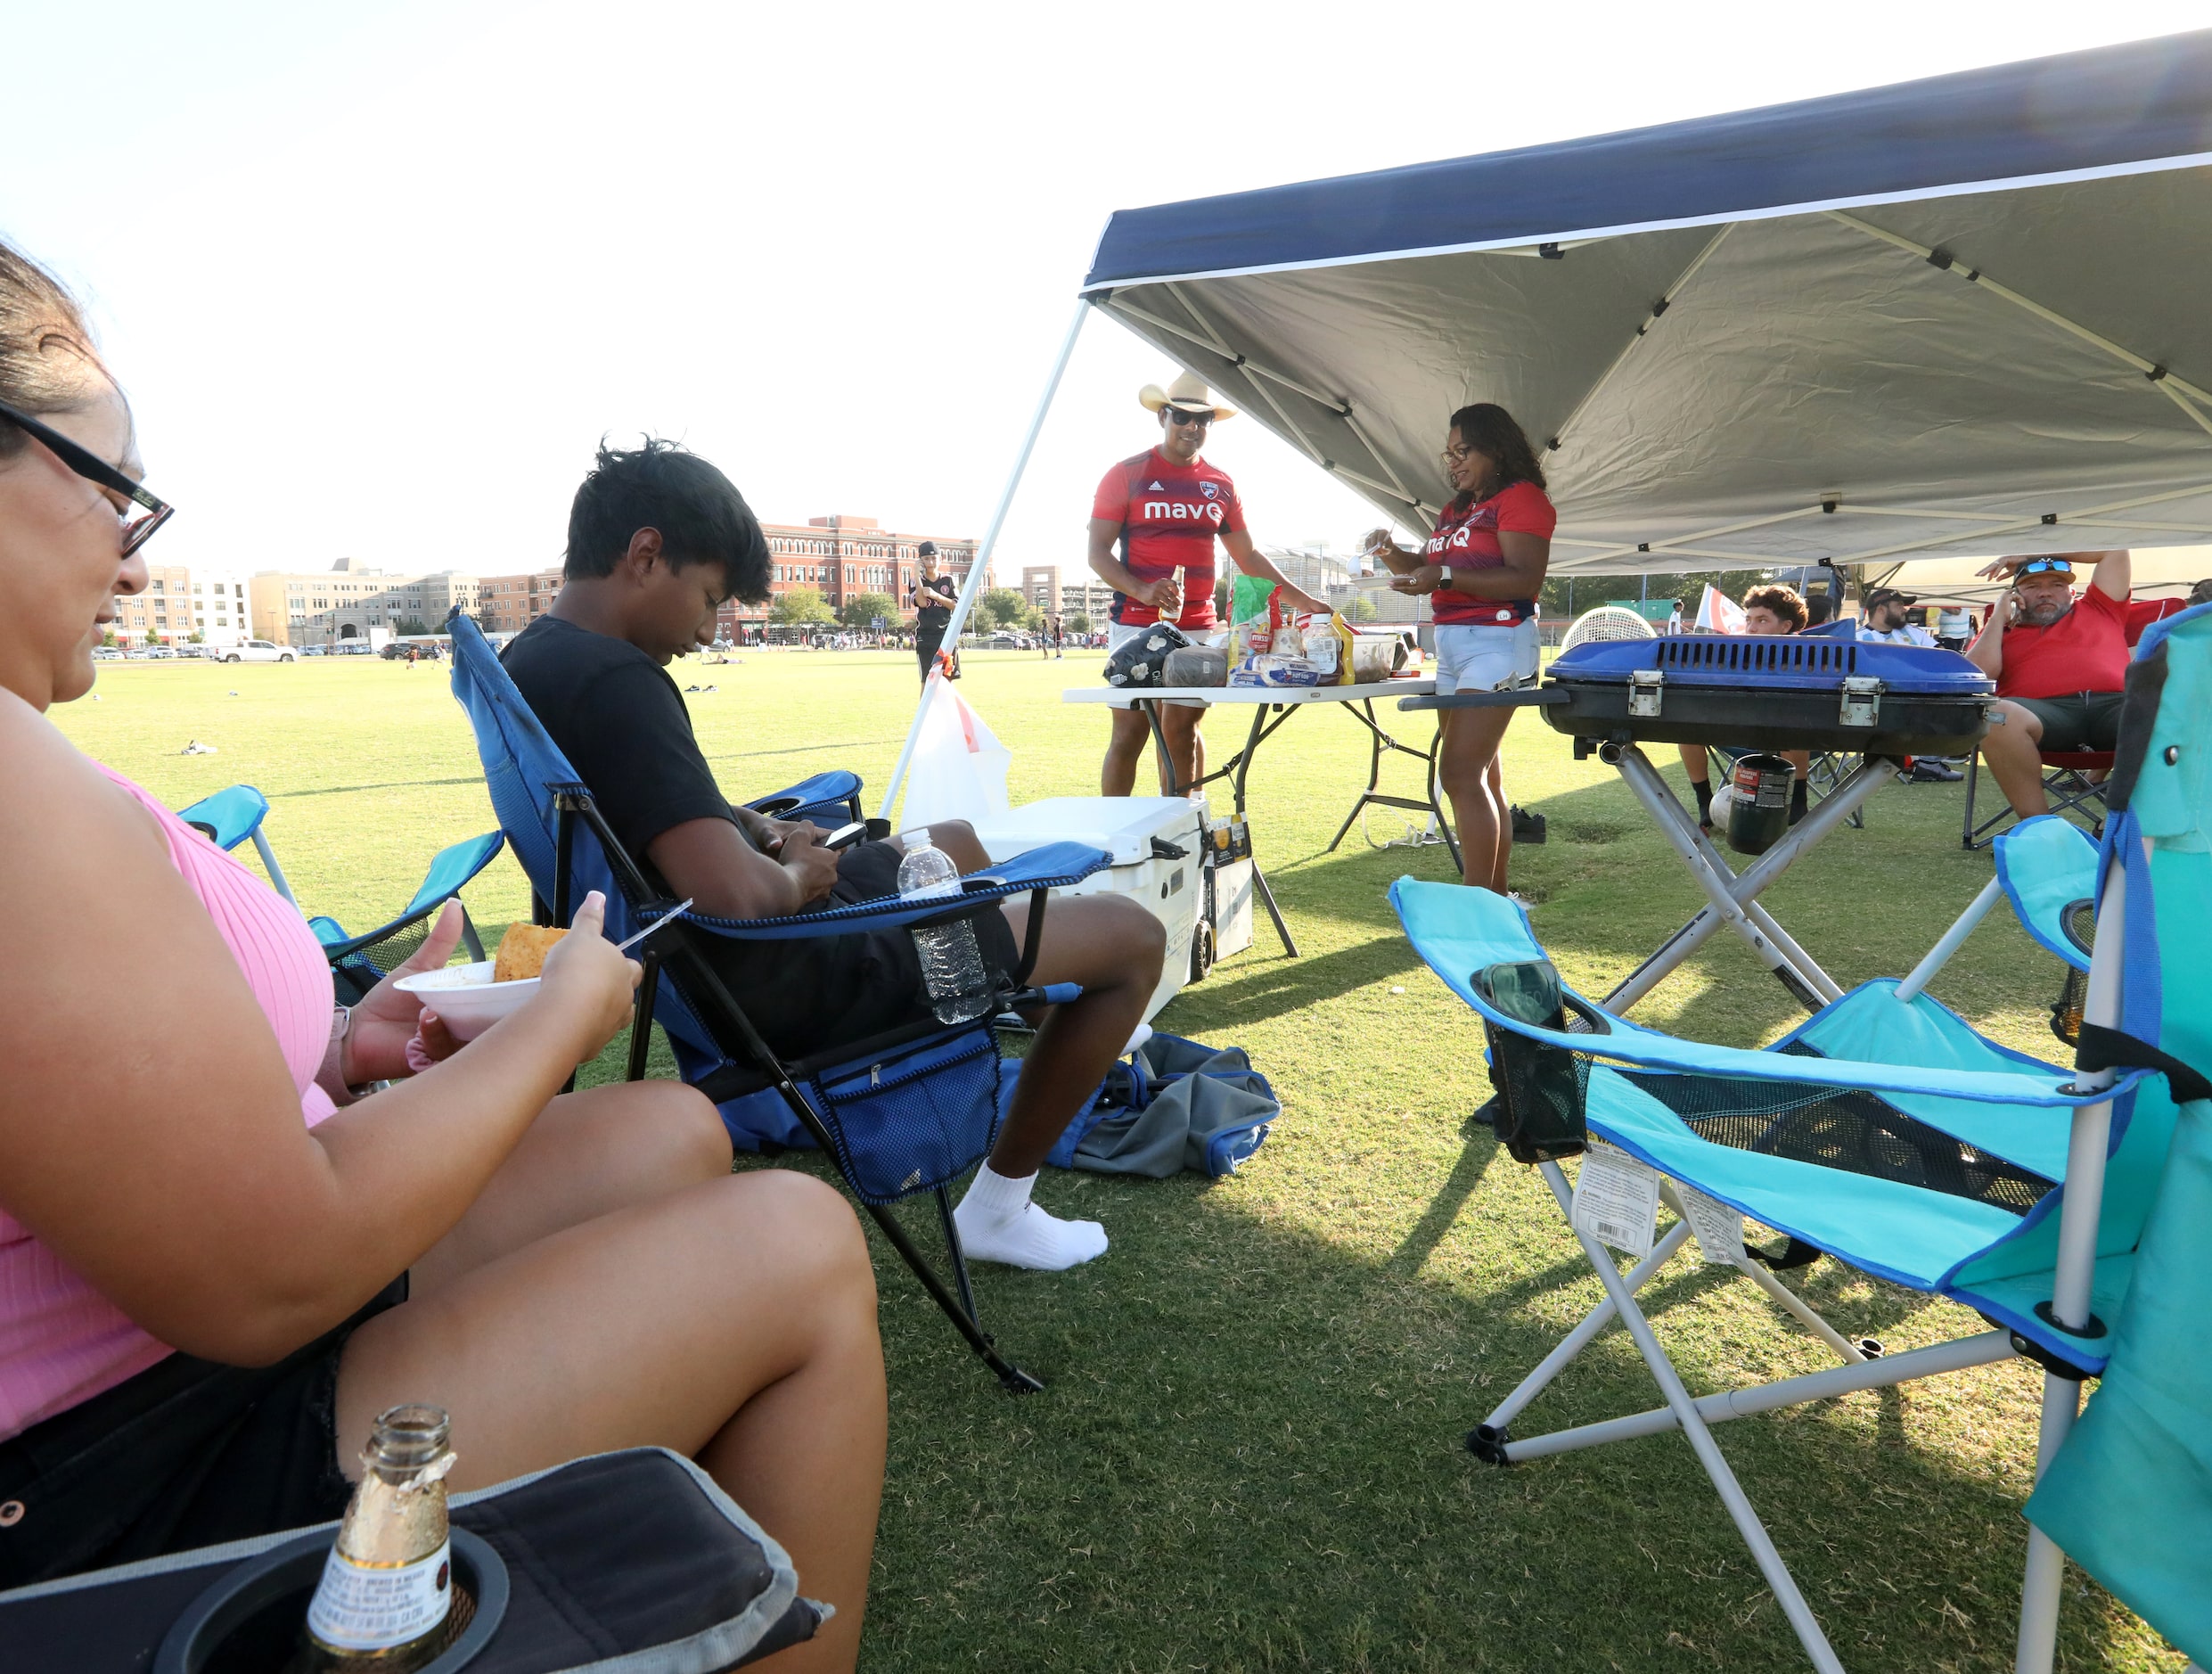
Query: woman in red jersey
[(1163, 509), (1481, 571)]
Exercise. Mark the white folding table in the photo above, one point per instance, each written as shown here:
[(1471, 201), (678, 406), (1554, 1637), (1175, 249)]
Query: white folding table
[(1270, 706)]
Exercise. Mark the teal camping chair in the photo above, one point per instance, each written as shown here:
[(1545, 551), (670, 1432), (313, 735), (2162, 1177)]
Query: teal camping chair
[(229, 817), (1889, 1134), (2128, 1492), (359, 962)]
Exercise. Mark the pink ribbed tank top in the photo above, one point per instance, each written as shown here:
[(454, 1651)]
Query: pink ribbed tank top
[(60, 1340)]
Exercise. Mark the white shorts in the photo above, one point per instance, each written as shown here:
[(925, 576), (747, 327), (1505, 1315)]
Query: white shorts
[(1477, 657)]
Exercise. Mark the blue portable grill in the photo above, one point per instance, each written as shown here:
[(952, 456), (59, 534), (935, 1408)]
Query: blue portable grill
[(1770, 691)]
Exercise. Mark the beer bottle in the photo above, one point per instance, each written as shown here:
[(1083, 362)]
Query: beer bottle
[(386, 1600)]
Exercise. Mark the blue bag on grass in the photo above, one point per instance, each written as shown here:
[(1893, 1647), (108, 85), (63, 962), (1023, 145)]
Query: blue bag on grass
[(1173, 1104)]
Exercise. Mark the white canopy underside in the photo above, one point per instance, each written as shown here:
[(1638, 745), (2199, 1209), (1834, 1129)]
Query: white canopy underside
[(2046, 390)]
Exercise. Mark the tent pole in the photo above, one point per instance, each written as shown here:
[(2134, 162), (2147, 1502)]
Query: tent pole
[(965, 602)]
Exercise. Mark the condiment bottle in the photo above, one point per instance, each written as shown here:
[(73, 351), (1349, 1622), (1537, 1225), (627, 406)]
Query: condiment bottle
[(386, 1600)]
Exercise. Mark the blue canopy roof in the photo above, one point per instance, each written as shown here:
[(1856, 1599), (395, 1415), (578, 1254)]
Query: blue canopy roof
[(2079, 114), (1957, 316)]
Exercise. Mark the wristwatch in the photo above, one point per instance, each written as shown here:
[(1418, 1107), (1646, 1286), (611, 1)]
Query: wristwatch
[(330, 1077)]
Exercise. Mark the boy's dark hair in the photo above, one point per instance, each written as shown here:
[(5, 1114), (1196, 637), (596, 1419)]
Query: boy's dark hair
[(702, 517)]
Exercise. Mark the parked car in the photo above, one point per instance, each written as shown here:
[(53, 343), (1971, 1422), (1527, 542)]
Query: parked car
[(258, 650)]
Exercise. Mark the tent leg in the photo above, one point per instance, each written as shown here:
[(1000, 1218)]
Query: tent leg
[(1731, 1495), (981, 561)]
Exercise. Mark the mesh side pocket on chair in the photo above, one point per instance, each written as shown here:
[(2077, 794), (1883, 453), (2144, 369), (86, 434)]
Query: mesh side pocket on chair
[(914, 1118), (1542, 1089)]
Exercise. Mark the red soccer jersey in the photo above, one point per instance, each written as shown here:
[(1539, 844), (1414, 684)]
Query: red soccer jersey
[(1169, 515), (2085, 649), (1467, 539)]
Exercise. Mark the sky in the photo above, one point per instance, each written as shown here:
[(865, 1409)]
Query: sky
[(378, 278)]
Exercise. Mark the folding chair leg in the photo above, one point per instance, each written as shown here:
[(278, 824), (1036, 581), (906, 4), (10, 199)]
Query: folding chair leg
[(1851, 1353), (268, 861), (1983, 1349), (1731, 1495), (952, 1248), (1011, 1376), (1488, 1439), (2044, 1579)]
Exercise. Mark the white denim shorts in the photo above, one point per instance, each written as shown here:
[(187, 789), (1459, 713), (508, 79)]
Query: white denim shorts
[(1477, 657)]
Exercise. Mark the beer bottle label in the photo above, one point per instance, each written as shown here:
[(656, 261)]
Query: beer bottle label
[(364, 1607)]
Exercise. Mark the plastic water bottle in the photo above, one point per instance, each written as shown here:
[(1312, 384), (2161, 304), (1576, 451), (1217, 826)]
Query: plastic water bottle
[(951, 966)]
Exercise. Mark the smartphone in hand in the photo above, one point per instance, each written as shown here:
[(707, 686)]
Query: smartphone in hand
[(846, 836)]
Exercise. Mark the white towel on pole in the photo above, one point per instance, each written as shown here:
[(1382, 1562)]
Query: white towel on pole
[(959, 769)]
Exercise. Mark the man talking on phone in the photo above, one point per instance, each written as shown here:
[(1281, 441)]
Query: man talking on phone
[(2060, 659), (658, 539)]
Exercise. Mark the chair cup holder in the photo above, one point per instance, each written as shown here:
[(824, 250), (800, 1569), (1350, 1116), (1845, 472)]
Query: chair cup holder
[(249, 1618)]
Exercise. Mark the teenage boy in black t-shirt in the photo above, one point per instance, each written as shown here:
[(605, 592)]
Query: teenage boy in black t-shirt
[(658, 539)]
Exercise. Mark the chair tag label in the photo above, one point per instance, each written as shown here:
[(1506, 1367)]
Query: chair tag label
[(1617, 1200), (1718, 1228)]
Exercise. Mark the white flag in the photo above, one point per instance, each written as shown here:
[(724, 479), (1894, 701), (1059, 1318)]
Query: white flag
[(1718, 613), (959, 769)]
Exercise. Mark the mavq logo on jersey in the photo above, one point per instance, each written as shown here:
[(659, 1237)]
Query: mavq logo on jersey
[(1456, 541), (1182, 512)]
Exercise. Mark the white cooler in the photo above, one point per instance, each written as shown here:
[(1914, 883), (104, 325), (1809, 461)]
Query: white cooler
[(1142, 835)]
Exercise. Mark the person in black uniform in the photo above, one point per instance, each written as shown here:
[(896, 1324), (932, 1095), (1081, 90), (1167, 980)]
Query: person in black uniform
[(932, 600)]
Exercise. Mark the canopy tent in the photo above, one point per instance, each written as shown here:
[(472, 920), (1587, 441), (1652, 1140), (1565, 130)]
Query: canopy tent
[(1957, 316), (1964, 314), (2163, 573)]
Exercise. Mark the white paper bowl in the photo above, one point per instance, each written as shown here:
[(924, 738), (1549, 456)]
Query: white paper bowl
[(466, 997)]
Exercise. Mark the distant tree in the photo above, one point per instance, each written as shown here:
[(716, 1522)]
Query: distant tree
[(197, 638), (1002, 607), (861, 611), (108, 639), (1362, 608), (407, 625), (801, 606), (1076, 623), (1221, 599)]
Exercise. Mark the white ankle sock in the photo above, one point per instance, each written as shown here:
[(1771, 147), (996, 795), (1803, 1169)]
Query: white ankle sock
[(997, 1222)]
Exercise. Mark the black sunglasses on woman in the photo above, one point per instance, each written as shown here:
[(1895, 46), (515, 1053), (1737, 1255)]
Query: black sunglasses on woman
[(89, 465)]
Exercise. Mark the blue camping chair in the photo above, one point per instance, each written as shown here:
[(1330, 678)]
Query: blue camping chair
[(900, 1115), (1887, 1133), (359, 962), (229, 817)]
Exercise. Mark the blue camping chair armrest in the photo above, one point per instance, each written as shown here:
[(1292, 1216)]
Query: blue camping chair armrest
[(1055, 866), (1458, 932), (825, 794)]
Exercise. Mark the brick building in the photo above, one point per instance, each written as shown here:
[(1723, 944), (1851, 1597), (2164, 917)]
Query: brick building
[(161, 615), (841, 557), (507, 604)]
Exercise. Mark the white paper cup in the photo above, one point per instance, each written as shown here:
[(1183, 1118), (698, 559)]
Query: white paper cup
[(466, 997)]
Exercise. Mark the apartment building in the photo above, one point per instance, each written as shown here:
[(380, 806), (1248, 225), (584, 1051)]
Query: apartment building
[(507, 604), (1049, 591), (162, 614), (327, 606)]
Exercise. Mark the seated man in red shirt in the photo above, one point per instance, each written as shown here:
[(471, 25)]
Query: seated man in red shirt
[(2060, 659)]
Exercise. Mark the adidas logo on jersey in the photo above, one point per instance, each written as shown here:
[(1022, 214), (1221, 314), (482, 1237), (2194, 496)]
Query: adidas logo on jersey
[(1156, 489)]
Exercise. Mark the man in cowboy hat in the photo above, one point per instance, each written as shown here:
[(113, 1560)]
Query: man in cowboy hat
[(1155, 518), (2060, 659)]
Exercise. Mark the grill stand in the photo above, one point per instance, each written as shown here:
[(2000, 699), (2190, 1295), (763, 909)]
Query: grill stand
[(1732, 896)]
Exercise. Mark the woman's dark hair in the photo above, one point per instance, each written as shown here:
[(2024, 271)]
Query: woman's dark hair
[(47, 361), (702, 517), (1490, 430)]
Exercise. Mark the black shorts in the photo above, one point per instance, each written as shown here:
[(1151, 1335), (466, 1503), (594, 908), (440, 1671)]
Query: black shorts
[(807, 996), (2079, 721), (186, 1454)]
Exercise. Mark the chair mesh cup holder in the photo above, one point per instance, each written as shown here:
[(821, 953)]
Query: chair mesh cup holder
[(1541, 1090)]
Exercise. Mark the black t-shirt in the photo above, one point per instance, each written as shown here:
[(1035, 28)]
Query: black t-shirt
[(937, 616), (621, 722)]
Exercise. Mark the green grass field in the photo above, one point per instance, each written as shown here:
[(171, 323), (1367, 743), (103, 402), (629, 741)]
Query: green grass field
[(1249, 1457)]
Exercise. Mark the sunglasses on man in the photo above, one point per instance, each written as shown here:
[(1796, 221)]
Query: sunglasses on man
[(137, 526), (1177, 415), (2045, 567)]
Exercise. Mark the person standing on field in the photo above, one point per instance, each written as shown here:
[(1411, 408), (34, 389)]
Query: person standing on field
[(1154, 516), (932, 601)]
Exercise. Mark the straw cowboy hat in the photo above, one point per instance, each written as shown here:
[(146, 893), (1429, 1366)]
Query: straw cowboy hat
[(1187, 394)]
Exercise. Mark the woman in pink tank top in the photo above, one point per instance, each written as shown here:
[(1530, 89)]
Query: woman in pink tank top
[(217, 1265)]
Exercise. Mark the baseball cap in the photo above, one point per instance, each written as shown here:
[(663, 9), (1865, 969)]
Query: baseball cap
[(1877, 596)]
